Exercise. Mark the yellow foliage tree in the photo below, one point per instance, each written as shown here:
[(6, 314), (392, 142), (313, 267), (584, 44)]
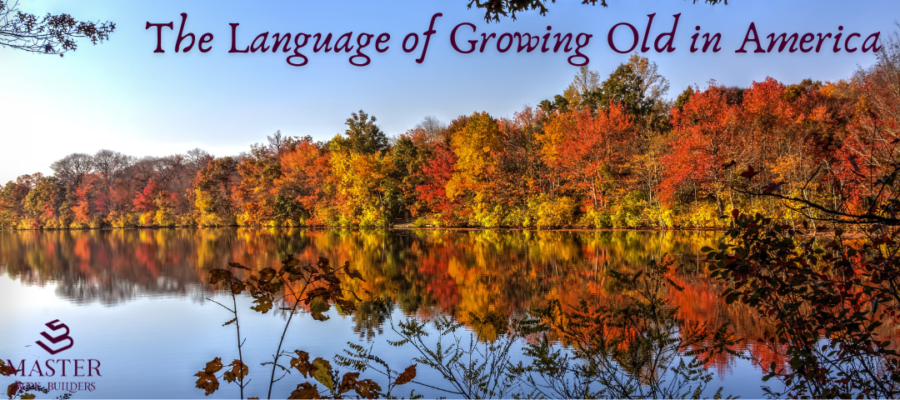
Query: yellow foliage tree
[(364, 182)]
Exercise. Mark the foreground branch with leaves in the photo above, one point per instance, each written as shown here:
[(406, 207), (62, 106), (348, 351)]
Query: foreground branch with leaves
[(833, 303), (315, 287), (635, 347), (495, 9), (50, 34)]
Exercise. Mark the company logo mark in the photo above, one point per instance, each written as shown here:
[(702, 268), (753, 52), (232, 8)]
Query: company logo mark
[(54, 326)]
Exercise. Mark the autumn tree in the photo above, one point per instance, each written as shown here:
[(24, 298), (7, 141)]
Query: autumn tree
[(213, 190), (705, 140), (586, 81), (367, 187), (365, 177), (110, 167), (434, 131), (72, 168), (256, 193), (305, 181), (869, 143), (842, 287), (155, 205), (475, 147), (587, 150), (520, 171), (198, 158), (431, 194), (46, 204), (85, 202), (12, 200)]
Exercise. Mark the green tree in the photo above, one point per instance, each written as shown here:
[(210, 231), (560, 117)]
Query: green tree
[(624, 87), (408, 159), (363, 136), (559, 103), (684, 97)]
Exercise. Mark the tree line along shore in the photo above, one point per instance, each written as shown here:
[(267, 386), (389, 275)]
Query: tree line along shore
[(606, 153)]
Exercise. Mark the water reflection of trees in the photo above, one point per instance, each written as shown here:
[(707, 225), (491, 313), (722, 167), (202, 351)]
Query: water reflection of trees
[(108, 267), (423, 273)]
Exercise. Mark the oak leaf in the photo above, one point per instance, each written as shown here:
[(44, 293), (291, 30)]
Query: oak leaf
[(214, 366), (266, 274), (408, 375), (305, 390), (206, 379), (348, 383), (368, 389), (207, 382), (301, 363), (217, 275), (12, 389), (263, 304), (237, 286), (6, 370), (238, 371)]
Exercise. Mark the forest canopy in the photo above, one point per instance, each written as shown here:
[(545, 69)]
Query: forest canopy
[(610, 151)]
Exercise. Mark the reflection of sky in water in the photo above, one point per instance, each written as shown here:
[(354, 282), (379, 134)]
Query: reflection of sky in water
[(151, 347), (135, 300)]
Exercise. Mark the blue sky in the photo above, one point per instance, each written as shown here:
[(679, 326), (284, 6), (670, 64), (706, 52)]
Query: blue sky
[(122, 96)]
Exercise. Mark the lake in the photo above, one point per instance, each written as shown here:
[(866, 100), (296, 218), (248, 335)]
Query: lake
[(137, 302)]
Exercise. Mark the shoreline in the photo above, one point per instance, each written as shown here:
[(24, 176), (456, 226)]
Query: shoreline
[(400, 227), (407, 228), (391, 228)]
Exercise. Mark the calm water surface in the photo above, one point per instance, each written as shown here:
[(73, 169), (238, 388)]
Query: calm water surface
[(137, 301)]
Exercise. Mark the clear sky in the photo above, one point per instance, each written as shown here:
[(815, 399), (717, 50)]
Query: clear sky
[(122, 96)]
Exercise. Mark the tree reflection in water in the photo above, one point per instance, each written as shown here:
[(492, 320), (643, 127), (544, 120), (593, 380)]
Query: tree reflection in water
[(424, 273)]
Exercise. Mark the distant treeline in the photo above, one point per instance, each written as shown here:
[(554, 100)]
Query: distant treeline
[(605, 153)]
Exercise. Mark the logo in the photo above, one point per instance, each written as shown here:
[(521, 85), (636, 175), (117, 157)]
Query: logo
[(55, 340), (55, 325)]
